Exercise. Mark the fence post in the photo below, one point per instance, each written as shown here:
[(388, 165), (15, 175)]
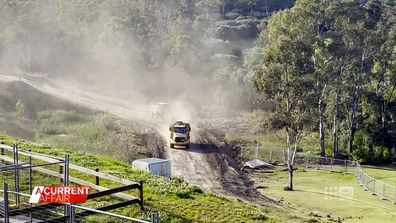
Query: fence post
[(155, 217), (346, 166), (17, 161), (30, 173), (72, 215), (373, 191), (307, 161), (141, 195), (97, 177), (60, 173), (6, 214), (365, 183), (66, 183), (360, 177), (2, 152), (30, 181), (394, 201), (383, 191), (16, 172)]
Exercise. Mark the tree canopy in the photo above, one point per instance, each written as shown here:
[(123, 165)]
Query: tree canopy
[(336, 59)]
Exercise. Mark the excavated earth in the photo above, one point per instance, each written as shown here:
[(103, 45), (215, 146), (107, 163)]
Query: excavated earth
[(210, 163)]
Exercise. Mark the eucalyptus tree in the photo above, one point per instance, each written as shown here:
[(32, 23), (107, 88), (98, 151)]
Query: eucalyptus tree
[(286, 79), (360, 37), (343, 20), (379, 101)]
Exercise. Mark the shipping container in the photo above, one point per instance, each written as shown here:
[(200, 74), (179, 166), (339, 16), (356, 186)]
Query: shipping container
[(156, 166)]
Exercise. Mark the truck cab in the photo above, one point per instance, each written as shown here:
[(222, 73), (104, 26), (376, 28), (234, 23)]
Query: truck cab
[(180, 135)]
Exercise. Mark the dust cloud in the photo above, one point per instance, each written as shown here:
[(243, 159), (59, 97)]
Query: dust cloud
[(130, 54)]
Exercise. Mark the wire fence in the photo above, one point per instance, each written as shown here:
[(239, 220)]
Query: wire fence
[(386, 191), (326, 163), (377, 187), (19, 172), (57, 213)]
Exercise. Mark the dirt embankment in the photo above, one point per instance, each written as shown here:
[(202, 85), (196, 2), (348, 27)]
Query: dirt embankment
[(228, 162), (147, 140), (134, 140), (210, 162)]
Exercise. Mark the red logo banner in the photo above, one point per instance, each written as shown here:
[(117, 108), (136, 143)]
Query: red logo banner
[(59, 194)]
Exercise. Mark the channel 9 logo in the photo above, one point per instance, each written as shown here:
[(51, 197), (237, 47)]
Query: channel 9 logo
[(338, 193)]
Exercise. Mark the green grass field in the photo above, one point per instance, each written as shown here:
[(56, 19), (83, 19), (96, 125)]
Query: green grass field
[(329, 197), (323, 195), (386, 174)]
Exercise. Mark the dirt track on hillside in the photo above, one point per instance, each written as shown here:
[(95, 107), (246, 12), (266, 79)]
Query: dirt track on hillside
[(209, 163)]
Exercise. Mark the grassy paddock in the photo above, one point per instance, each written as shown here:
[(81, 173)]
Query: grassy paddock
[(386, 173), (311, 196), (329, 197)]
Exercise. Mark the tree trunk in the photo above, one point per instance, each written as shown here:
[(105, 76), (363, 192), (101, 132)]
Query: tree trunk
[(289, 163), (321, 128), (383, 124), (291, 179), (291, 155), (384, 130), (352, 121), (335, 122)]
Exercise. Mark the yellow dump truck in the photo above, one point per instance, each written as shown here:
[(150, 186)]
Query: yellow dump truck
[(180, 135)]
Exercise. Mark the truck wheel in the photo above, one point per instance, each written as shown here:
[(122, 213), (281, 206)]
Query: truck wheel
[(172, 146), (187, 146)]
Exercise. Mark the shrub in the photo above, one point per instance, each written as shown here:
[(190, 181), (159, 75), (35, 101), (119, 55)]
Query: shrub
[(196, 189), (184, 194), (20, 108), (366, 152)]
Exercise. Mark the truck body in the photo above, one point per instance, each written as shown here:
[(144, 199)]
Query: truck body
[(180, 135)]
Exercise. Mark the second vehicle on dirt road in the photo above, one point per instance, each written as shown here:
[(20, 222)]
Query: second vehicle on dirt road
[(180, 135)]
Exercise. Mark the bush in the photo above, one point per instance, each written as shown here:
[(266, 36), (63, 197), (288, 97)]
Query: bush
[(20, 108), (184, 194), (364, 150), (196, 189)]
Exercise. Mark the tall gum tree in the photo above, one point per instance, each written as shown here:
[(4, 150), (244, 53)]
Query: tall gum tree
[(285, 78)]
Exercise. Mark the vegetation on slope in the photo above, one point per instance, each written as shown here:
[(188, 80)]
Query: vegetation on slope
[(175, 200)]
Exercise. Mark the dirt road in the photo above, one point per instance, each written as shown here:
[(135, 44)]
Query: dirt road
[(192, 165), (206, 164)]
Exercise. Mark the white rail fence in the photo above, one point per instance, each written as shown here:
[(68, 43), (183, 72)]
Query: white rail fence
[(385, 191), (376, 187)]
